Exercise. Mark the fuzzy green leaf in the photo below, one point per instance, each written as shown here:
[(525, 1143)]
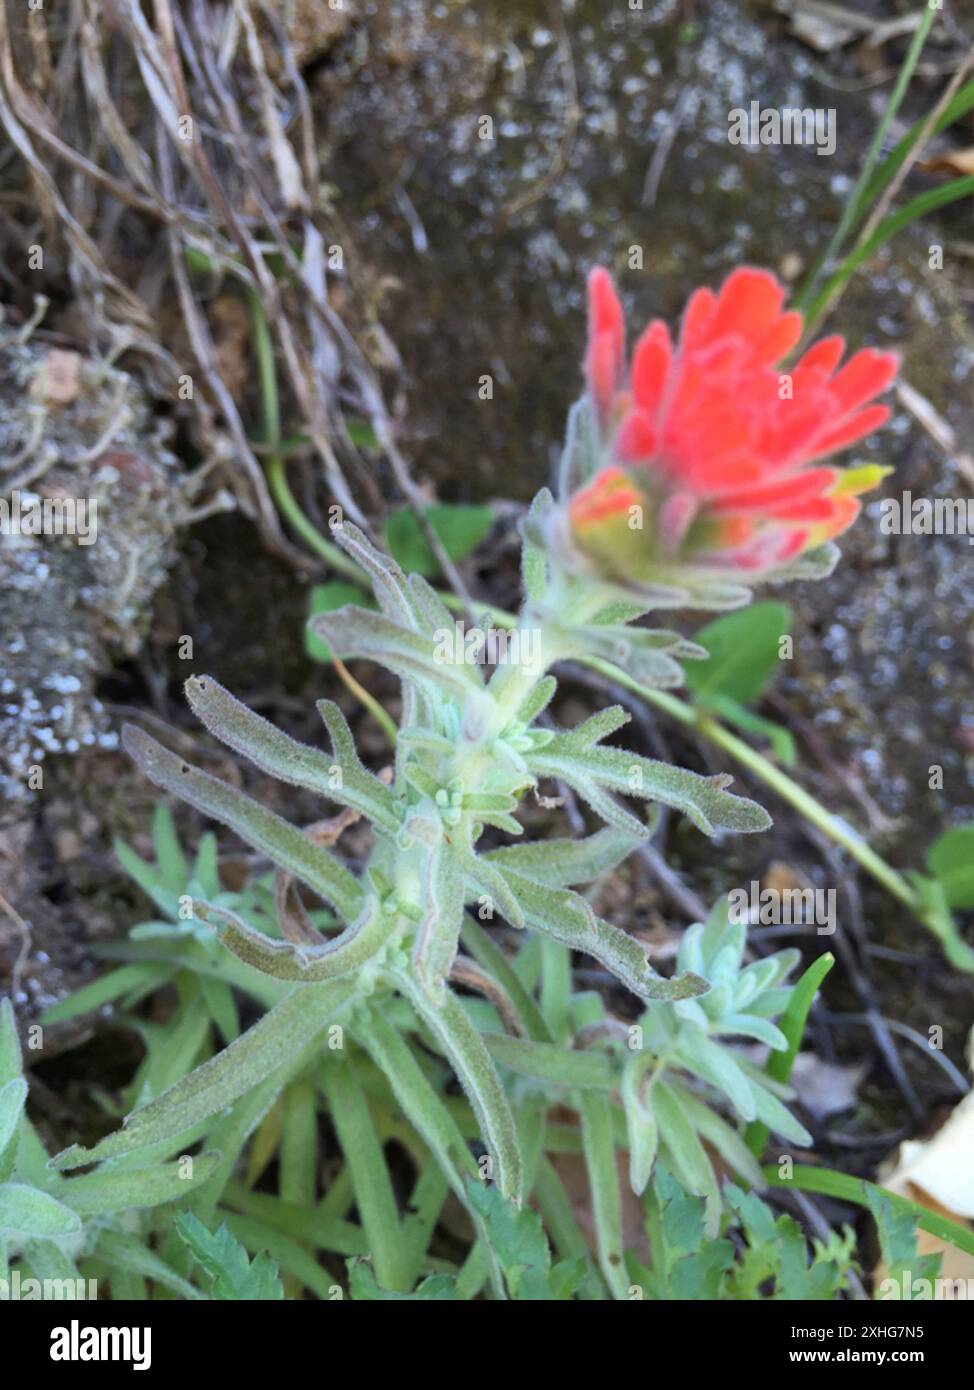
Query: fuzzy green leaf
[(272, 1042), (130, 1255), (281, 842), (11, 1065), (552, 1064), (117, 1189), (388, 580), (344, 780), (26, 1212), (538, 700), (13, 1095), (472, 1063), (568, 918), (438, 933), (418, 1099), (350, 632), (636, 1094), (703, 799), (374, 1195), (344, 954), (564, 863), (229, 1270), (687, 1154), (603, 1178)]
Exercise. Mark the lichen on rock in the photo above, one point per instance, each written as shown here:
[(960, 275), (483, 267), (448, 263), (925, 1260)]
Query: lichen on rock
[(90, 499)]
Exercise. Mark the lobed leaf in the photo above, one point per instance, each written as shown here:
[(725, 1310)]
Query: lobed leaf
[(568, 918), (265, 831), (298, 764), (703, 799)]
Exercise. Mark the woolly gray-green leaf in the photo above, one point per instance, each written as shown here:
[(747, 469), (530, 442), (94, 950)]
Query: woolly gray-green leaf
[(388, 580), (472, 1063), (341, 955), (746, 1025), (284, 960), (716, 1064), (371, 795), (719, 1134), (550, 1064), (117, 1189), (564, 863), (427, 602), (646, 661), (418, 1099), (485, 879), (534, 561), (691, 1166), (438, 932), (641, 1126), (281, 842), (592, 730), (598, 1146), (275, 752), (567, 918), (13, 1095), (352, 632), (274, 1040), (28, 1213), (130, 1255), (778, 1118), (703, 799), (10, 1059), (538, 699)]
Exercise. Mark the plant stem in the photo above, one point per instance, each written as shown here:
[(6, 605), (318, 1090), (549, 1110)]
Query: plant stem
[(276, 474), (789, 790), (848, 217), (382, 718), (779, 781), (275, 465), (309, 533), (846, 1188)]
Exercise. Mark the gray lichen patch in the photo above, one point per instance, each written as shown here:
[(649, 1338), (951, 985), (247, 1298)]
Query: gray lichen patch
[(90, 499)]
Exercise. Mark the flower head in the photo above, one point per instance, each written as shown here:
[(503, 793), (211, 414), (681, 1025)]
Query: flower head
[(708, 454)]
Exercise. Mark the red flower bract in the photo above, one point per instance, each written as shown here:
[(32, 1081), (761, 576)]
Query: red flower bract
[(711, 440)]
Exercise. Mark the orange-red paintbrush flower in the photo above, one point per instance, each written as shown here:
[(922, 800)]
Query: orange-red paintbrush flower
[(708, 453)]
